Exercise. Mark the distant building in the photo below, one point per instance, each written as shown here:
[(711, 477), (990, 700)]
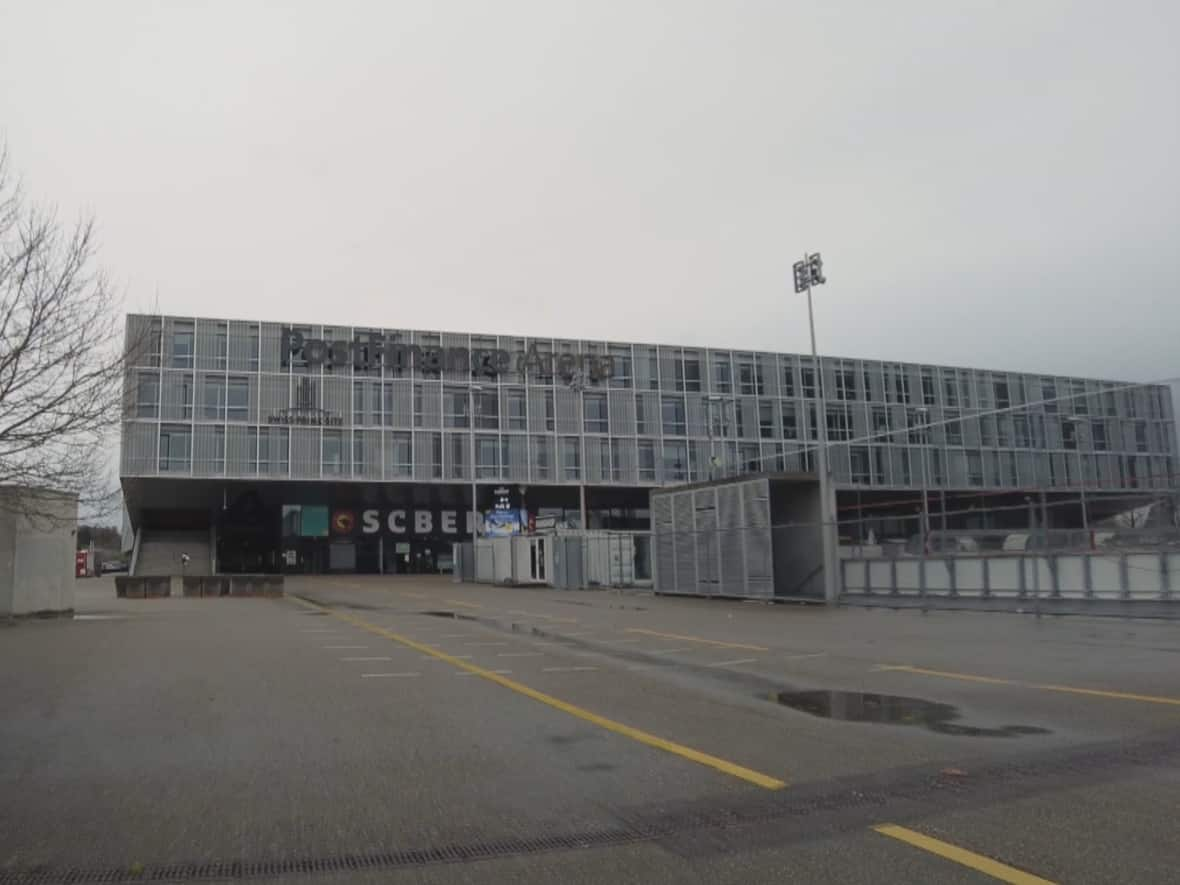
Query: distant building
[(282, 446)]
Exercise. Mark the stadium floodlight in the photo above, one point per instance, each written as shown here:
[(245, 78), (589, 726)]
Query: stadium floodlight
[(810, 272)]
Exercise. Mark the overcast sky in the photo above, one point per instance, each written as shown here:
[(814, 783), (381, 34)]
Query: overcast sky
[(991, 184)]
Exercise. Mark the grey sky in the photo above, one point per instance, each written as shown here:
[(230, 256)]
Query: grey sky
[(991, 184)]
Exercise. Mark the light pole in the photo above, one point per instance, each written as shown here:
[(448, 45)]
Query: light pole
[(474, 389), (1077, 421), (810, 272), (924, 414)]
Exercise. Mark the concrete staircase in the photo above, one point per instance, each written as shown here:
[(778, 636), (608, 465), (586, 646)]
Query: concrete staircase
[(159, 553)]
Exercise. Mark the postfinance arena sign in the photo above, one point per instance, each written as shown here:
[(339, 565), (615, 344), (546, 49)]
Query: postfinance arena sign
[(371, 350)]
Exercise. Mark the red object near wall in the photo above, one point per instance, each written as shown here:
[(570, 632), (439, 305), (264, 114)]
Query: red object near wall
[(80, 563)]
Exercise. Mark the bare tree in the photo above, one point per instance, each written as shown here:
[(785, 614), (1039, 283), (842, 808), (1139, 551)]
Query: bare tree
[(61, 359)]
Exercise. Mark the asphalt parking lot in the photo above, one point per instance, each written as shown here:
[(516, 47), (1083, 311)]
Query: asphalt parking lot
[(412, 729)]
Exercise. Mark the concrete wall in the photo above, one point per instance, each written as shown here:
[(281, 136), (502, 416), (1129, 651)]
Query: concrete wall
[(37, 541)]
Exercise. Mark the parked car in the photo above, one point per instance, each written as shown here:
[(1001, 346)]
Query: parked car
[(111, 566)]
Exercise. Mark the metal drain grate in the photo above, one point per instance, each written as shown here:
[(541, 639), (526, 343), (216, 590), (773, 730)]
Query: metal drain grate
[(389, 860)]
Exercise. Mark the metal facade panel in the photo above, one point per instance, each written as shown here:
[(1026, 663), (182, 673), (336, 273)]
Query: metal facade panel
[(684, 543), (705, 530), (139, 448)]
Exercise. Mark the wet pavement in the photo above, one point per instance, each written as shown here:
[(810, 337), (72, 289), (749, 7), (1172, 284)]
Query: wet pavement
[(388, 729)]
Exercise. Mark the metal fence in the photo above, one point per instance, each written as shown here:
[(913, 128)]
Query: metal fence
[(566, 560)]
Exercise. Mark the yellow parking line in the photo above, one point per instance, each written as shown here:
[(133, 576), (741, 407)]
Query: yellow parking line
[(962, 856), (643, 737), (1043, 686), (464, 604), (716, 642)]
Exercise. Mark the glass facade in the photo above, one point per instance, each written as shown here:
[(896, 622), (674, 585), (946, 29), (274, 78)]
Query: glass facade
[(215, 398)]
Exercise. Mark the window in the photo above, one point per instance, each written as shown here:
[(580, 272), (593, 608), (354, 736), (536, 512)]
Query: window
[(398, 454), (675, 461), (788, 377), (722, 375), (333, 452), (749, 376), (928, 393), (880, 423), (457, 456), (974, 468), (1020, 425), (950, 389), (845, 384), (420, 407), (147, 395), (487, 409), (178, 396), (176, 444), (672, 410), (954, 428), (273, 445), (766, 419), (594, 411), (358, 452), (647, 460), (571, 457), (1098, 436), (987, 430), (839, 424), (515, 410), (645, 421), (1069, 434), (915, 426), (213, 407), (808, 375), (220, 346), (623, 375), (1049, 395), (1077, 403), (182, 346), (1000, 389), (867, 377), (237, 401), (1141, 436), (860, 464), (790, 422), (487, 454), (456, 404), (687, 373)]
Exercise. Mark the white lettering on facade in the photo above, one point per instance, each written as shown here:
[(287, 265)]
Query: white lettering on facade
[(423, 522), (448, 521), (369, 522), (397, 522)]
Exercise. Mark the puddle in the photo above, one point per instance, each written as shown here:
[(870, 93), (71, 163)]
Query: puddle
[(455, 615), (855, 706)]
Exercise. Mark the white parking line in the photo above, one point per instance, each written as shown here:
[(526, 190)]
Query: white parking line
[(466, 673), (572, 635), (366, 659), (433, 658), (670, 651), (566, 669), (379, 675), (734, 663), (818, 654), (345, 647), (519, 654), (485, 643), (619, 641)]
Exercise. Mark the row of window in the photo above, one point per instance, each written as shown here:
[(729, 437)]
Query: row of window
[(228, 398), (434, 455), (748, 374)]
